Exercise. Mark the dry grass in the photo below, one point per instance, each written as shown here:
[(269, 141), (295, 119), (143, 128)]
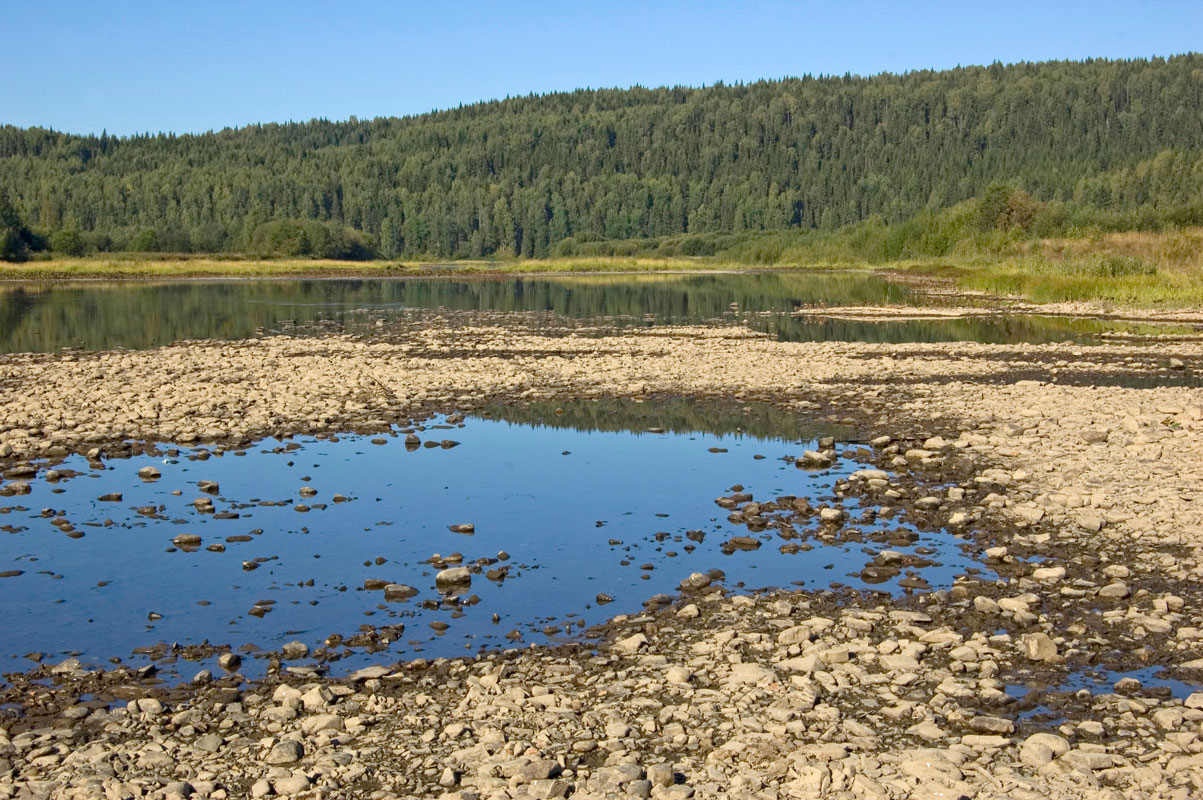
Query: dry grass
[(132, 268), (1180, 250), (139, 267)]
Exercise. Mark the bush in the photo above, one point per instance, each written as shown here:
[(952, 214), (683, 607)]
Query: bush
[(697, 246), (67, 243), (309, 238), (144, 242)]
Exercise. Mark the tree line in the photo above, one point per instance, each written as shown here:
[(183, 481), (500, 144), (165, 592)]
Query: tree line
[(1112, 142)]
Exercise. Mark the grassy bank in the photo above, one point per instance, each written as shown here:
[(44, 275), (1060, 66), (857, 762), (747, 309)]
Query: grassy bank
[(1135, 268), (141, 267), (166, 267)]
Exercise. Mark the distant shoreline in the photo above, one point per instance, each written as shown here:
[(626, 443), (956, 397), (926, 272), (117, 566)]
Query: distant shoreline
[(1007, 279)]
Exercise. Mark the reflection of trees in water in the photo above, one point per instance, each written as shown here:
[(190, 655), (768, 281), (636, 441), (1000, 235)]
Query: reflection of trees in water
[(100, 316), (673, 416), (993, 330)]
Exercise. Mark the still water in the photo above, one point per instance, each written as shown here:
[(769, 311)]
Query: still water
[(50, 316), (627, 512)]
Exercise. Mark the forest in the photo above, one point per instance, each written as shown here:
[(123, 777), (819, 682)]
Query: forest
[(1028, 150)]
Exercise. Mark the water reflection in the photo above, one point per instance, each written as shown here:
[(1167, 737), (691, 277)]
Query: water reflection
[(297, 539), (49, 316)]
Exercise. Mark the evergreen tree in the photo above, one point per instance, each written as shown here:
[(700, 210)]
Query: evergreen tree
[(1116, 142)]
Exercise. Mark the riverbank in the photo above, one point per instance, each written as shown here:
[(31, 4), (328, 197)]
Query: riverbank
[(1102, 278), (101, 268), (1072, 471)]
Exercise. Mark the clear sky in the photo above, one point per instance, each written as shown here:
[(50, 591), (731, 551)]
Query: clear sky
[(196, 65)]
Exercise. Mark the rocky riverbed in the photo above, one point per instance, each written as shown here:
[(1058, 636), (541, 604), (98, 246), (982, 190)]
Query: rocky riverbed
[(1073, 471)]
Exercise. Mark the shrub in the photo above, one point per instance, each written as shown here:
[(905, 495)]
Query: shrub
[(308, 238), (67, 243)]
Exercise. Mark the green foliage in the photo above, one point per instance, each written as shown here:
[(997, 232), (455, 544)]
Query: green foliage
[(309, 239), (1048, 148), (1117, 265), (17, 242), (67, 243), (144, 242), (1006, 207)]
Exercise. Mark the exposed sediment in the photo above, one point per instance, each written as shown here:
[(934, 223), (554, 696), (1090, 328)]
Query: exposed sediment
[(1076, 470)]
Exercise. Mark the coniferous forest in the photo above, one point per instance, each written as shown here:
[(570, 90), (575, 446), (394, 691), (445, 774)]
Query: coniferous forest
[(1051, 145)]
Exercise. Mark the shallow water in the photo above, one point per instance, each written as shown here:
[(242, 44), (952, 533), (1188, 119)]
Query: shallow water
[(580, 512), (1097, 681), (50, 316)]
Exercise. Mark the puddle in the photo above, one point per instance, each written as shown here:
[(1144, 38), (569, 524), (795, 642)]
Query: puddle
[(577, 512), (1154, 680), (1102, 681)]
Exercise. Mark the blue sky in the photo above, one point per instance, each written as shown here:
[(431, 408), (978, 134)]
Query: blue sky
[(193, 66)]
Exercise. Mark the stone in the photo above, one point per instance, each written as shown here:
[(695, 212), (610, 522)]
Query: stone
[(229, 661), (1035, 754), (630, 644), (293, 784), (798, 634), (1088, 759), (547, 788), (899, 663), (678, 675), (618, 730), (1168, 718), (397, 592), (992, 725), (1042, 744), (295, 650), (285, 752), (317, 698), (1039, 647), (1028, 515), (986, 605), (454, 576), (696, 581), (370, 673), (149, 474), (1048, 574), (928, 731), (539, 769), (661, 775), (931, 767), (321, 722), (210, 743), (751, 672)]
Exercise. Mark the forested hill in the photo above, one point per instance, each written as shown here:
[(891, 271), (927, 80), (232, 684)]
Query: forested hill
[(519, 175)]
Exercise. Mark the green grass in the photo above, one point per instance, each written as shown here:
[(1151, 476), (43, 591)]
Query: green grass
[(1100, 276)]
